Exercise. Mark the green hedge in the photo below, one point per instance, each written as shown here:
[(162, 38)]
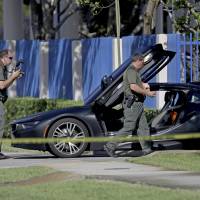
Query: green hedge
[(151, 113), (21, 107)]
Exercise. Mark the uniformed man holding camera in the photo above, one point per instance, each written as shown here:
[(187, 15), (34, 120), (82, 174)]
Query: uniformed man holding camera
[(6, 57), (135, 92)]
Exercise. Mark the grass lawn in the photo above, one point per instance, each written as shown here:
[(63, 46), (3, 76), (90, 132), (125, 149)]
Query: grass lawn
[(94, 190), (76, 189), (173, 160), (8, 175)]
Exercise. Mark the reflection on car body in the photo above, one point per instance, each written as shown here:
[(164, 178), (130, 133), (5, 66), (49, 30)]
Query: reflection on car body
[(102, 112)]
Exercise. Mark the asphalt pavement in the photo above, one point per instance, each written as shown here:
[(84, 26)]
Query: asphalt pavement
[(107, 168)]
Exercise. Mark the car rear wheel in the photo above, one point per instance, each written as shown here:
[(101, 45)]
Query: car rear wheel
[(68, 128)]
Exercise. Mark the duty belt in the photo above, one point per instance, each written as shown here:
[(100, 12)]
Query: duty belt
[(135, 98), (130, 99)]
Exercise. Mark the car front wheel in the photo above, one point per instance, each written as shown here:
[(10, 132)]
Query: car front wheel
[(68, 128)]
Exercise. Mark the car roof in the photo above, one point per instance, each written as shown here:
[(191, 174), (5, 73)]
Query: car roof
[(175, 86)]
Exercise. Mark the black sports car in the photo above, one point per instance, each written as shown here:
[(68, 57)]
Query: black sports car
[(102, 112)]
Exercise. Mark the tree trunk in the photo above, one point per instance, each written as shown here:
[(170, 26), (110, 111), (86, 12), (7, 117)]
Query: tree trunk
[(111, 22), (148, 15), (42, 14), (48, 30), (36, 19)]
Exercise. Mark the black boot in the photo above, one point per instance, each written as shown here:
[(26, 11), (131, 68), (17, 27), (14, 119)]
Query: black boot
[(110, 148)]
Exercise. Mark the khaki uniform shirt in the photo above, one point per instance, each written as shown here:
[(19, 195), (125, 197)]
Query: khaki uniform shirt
[(131, 76)]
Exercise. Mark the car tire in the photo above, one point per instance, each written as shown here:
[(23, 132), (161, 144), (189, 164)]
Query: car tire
[(67, 128)]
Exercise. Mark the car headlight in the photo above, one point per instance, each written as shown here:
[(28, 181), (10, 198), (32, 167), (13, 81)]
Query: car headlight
[(26, 125)]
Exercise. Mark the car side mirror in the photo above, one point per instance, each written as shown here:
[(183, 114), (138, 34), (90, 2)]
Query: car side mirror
[(106, 81)]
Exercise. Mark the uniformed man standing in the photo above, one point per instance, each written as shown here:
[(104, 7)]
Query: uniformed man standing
[(135, 92), (6, 57)]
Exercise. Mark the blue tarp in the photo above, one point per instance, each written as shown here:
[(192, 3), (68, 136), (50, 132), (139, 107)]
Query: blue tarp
[(96, 62), (132, 44), (3, 44), (60, 69), (28, 50), (173, 68)]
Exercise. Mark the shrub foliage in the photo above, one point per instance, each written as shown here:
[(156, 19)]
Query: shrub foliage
[(21, 107)]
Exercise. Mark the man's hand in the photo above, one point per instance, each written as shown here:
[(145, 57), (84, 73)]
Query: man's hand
[(141, 90), (6, 83), (146, 86), (17, 74), (151, 93)]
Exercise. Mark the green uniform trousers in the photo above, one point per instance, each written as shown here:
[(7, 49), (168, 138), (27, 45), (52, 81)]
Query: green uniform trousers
[(135, 120)]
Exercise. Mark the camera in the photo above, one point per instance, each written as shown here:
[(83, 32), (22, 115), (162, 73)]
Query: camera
[(18, 67)]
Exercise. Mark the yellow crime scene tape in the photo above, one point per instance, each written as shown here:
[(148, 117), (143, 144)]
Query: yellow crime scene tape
[(133, 138)]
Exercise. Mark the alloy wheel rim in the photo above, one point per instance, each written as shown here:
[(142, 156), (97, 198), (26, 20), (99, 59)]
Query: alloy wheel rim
[(72, 131)]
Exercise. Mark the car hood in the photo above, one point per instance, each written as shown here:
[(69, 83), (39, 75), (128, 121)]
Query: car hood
[(155, 58), (79, 110)]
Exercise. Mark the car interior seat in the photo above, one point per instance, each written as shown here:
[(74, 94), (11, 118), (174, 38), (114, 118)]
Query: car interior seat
[(170, 112)]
